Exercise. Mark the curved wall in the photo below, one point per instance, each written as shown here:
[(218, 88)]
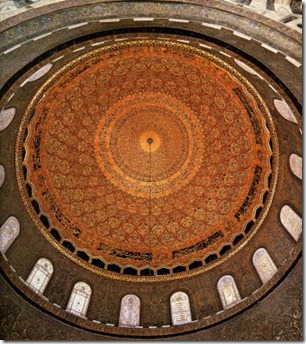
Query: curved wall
[(262, 51)]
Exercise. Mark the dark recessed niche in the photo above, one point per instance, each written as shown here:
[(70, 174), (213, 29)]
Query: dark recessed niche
[(113, 267), (98, 262), (195, 264), (269, 179), (211, 258), (271, 160), (179, 269), (300, 25), (44, 220), (25, 172), (29, 190), (163, 271), (237, 239), (83, 255), (130, 271), (55, 234), (69, 246), (258, 211), (264, 197), (288, 19), (249, 226), (224, 249), (24, 152), (35, 206), (147, 272)]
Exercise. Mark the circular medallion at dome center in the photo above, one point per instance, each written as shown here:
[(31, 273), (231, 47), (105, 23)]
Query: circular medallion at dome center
[(145, 154), (149, 144)]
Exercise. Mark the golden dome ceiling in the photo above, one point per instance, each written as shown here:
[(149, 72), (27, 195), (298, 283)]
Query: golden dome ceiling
[(150, 149), (148, 154)]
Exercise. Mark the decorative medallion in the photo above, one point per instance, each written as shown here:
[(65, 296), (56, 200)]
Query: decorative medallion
[(149, 144), (149, 155)]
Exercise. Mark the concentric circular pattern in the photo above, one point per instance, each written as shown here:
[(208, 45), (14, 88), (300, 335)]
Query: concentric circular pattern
[(149, 144), (147, 154)]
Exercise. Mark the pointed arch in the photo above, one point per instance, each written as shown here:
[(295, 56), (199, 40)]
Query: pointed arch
[(228, 291), (40, 275), (79, 299), (264, 265), (129, 311), (9, 231), (180, 308)]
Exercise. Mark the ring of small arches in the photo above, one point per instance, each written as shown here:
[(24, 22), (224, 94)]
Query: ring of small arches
[(129, 316)]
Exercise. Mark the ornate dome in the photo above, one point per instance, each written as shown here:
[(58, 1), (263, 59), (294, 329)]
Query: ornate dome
[(150, 171)]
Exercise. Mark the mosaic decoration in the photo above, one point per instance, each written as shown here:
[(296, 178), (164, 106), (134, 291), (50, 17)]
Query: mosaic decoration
[(131, 166)]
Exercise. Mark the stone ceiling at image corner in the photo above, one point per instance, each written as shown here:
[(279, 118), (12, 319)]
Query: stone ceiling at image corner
[(284, 11)]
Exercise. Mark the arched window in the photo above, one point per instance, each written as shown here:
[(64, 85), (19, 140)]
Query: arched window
[(2, 175), (228, 291), (296, 165), (284, 110), (180, 308), (129, 311), (79, 299), (40, 275), (291, 221), (264, 265), (8, 233), (6, 116)]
